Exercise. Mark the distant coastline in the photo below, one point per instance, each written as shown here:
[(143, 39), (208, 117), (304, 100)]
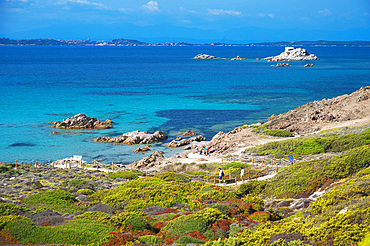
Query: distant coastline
[(132, 42)]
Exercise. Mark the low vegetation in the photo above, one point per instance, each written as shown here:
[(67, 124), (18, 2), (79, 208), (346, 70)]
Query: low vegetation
[(168, 208)]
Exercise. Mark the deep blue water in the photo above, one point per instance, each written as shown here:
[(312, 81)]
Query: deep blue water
[(154, 88)]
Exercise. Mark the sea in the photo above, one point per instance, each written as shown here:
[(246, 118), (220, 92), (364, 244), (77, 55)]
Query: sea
[(154, 88)]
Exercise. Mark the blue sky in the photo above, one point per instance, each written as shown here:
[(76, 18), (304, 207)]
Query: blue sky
[(190, 20)]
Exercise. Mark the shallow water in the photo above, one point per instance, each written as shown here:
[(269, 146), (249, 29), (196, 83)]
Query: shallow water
[(154, 88)]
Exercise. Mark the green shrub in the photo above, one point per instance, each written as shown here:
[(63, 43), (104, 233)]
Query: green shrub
[(184, 240), (79, 184), (95, 215), (130, 175), (252, 187), (77, 232), (278, 133), (11, 209), (85, 191), (57, 200), (260, 216), (4, 220), (150, 239), (185, 224), (131, 221), (225, 210), (170, 176), (256, 202), (212, 215), (235, 165)]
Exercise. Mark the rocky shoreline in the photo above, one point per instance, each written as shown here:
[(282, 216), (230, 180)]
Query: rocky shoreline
[(135, 137)]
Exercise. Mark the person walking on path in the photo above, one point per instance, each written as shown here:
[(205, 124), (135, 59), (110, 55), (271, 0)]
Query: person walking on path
[(242, 173), (220, 175)]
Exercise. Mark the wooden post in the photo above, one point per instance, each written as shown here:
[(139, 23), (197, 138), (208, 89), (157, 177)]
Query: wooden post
[(263, 161), (16, 165), (252, 160), (33, 163), (282, 161), (214, 180), (49, 165), (21, 164), (277, 167), (236, 179), (249, 174), (70, 165)]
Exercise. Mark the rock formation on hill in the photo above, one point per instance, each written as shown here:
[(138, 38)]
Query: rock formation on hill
[(182, 142), (81, 121), (291, 54), (135, 137), (310, 116)]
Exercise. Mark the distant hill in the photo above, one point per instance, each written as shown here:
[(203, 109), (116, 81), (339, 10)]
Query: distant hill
[(133, 42)]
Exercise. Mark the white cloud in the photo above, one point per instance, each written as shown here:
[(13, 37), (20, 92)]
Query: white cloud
[(151, 6), (83, 2), (325, 12), (262, 15), (223, 12)]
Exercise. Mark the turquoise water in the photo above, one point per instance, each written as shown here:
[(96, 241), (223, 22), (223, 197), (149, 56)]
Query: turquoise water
[(154, 88)]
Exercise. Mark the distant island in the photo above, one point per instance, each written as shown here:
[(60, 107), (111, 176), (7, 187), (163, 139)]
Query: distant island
[(132, 42)]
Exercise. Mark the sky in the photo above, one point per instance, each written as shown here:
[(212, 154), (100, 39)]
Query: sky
[(190, 20)]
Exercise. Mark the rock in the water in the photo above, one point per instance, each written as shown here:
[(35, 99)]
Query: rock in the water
[(281, 65), (308, 65), (291, 54), (81, 121), (135, 137), (182, 142), (238, 58), (189, 133), (204, 56)]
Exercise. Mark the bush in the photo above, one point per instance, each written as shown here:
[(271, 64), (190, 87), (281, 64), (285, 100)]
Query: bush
[(79, 184), (184, 240), (4, 220), (11, 209), (130, 175), (185, 224), (81, 232), (130, 222), (150, 239), (85, 191), (278, 133), (235, 165), (260, 216), (58, 200), (212, 215), (170, 176)]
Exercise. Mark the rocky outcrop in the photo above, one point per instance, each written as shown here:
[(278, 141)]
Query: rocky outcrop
[(189, 133), (135, 137), (310, 116), (182, 142), (142, 150), (155, 159), (204, 56), (308, 65), (81, 121), (281, 65), (291, 54), (238, 58)]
